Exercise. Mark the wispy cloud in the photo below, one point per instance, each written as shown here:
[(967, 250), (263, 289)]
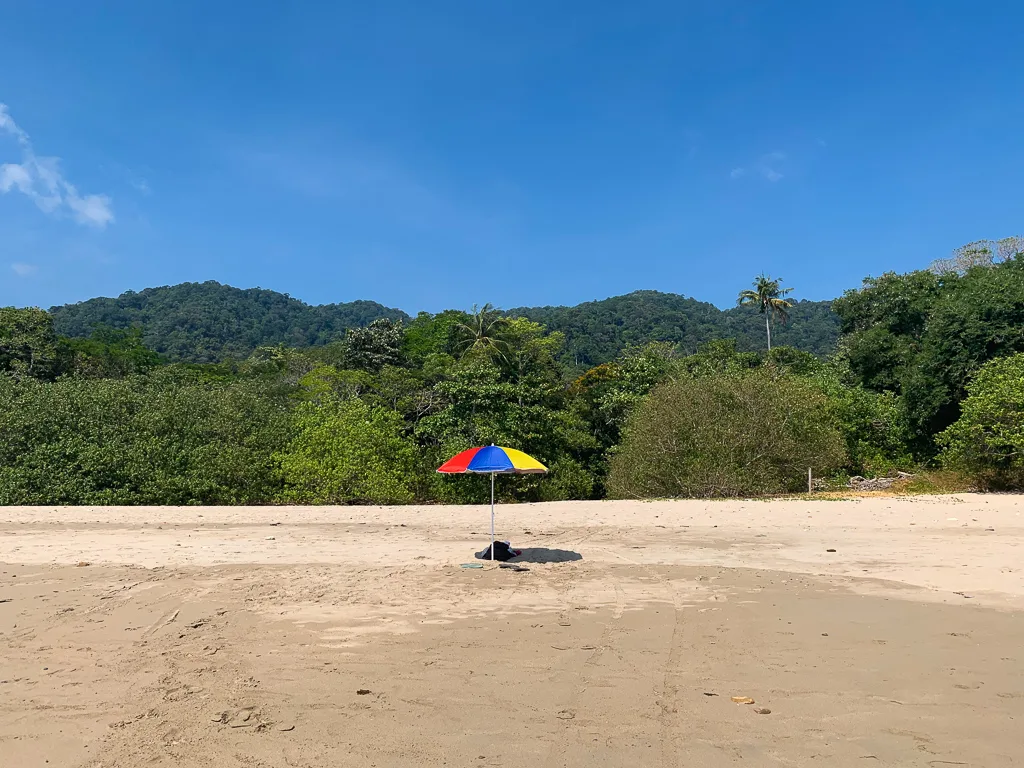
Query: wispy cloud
[(40, 179), (139, 184), (23, 270), (767, 167)]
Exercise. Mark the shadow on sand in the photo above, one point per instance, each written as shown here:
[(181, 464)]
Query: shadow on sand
[(545, 555)]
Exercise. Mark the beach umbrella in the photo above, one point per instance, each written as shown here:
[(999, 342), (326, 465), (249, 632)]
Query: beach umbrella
[(492, 460)]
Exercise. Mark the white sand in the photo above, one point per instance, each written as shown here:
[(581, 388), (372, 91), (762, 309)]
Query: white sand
[(229, 637)]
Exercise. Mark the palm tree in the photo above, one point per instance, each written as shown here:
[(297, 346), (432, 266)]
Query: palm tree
[(768, 297), (482, 332)]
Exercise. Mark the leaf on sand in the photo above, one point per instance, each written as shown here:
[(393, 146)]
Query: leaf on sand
[(742, 699)]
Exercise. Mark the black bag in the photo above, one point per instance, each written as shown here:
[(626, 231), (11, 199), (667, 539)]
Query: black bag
[(502, 552)]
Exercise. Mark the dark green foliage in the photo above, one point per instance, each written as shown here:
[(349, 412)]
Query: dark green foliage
[(874, 425), (923, 336), (166, 438), (726, 435), (599, 331), (207, 322), (606, 394), (883, 324)]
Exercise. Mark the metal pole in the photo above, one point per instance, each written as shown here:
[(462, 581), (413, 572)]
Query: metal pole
[(810, 483), (492, 516)]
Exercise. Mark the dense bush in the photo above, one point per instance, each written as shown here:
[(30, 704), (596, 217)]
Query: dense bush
[(345, 452), (874, 425), (166, 438), (741, 435), (987, 441)]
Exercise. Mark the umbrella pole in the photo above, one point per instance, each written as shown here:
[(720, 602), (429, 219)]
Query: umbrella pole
[(492, 516)]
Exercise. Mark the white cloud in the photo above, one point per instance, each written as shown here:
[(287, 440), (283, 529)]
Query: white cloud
[(40, 179), (23, 270), (767, 165)]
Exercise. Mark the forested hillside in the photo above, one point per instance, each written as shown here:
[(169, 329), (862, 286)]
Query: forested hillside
[(207, 322), (598, 331)]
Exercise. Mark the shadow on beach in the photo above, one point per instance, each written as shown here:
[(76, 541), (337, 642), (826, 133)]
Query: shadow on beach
[(545, 555)]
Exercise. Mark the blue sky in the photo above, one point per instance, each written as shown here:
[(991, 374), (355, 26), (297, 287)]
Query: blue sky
[(432, 155)]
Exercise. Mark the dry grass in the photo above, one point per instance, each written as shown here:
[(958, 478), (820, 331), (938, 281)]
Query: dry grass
[(934, 481)]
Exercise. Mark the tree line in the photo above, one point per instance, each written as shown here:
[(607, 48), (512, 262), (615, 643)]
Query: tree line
[(928, 370), (209, 322)]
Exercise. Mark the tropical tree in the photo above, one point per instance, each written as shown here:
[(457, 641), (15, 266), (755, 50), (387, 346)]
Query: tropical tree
[(28, 345), (373, 347), (988, 439), (483, 332), (769, 298)]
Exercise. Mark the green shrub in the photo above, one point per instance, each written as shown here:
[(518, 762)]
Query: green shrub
[(726, 436), (346, 451), (987, 441), (568, 479)]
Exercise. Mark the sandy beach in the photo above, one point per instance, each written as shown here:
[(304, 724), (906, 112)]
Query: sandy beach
[(871, 631)]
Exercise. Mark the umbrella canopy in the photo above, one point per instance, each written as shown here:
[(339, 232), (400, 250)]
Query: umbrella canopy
[(492, 460)]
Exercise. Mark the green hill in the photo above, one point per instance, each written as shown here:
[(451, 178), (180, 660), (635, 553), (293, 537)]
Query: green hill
[(206, 322), (598, 330)]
